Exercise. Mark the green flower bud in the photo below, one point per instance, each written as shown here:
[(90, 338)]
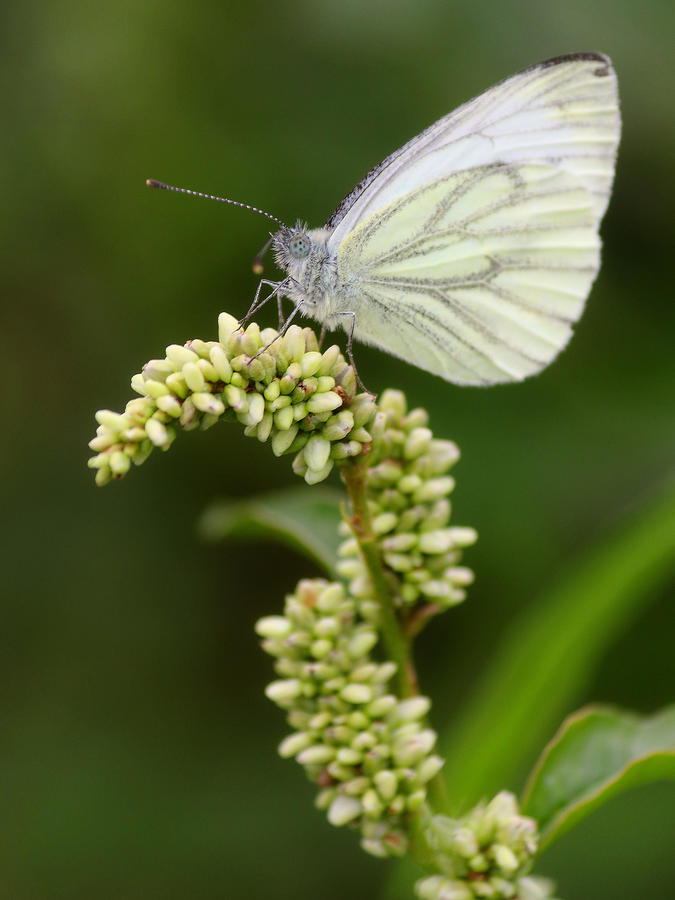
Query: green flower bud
[(534, 888), (321, 648), (434, 489), (505, 858), (239, 381), (282, 440), (328, 359), (177, 355), (400, 543), (347, 380), (417, 442), (176, 384), (220, 362), (265, 427), (349, 757), (317, 452), (386, 783), (321, 403), (356, 786), (157, 433), (363, 409), (384, 523), (416, 800), (463, 537), (158, 369), (399, 562), (227, 326), (170, 405), (459, 575), (272, 391), (207, 403), (361, 435), (362, 643), (310, 363), (385, 672), (283, 692), (103, 476), (434, 542), (273, 627), (283, 401), (299, 411), (325, 383), (235, 397), (291, 378), (393, 402), (114, 421), (119, 463), (357, 693), (364, 672), (294, 744), (412, 749), (339, 425), (313, 476), (429, 768), (412, 709), (283, 420), (154, 389), (102, 442), (345, 449), (330, 597), (381, 706), (344, 809), (373, 806), (318, 755)]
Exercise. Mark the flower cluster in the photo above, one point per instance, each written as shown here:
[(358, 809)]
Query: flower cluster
[(298, 398), (369, 751), (486, 854), (408, 489)]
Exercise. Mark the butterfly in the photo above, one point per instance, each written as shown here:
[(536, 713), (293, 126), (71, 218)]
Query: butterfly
[(471, 250)]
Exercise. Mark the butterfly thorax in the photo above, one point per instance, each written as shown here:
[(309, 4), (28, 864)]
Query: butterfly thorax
[(311, 269)]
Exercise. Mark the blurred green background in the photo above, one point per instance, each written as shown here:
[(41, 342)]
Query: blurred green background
[(137, 751)]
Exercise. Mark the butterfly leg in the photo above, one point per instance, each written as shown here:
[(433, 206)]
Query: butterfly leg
[(350, 336), (280, 311), (282, 331), (257, 304)]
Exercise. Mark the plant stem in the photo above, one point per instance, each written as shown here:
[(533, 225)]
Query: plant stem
[(397, 646), (397, 639)]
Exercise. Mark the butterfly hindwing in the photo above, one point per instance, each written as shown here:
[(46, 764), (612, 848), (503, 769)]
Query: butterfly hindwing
[(476, 276)]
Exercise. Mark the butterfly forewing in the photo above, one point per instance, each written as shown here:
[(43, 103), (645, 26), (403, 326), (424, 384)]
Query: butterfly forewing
[(562, 112)]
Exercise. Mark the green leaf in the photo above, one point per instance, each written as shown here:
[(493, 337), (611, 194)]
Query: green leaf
[(306, 520), (551, 650), (597, 753)]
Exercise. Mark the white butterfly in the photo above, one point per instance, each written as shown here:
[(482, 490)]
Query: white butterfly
[(471, 250)]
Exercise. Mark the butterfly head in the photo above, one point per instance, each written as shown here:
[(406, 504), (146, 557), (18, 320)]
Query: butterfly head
[(292, 246), (295, 246)]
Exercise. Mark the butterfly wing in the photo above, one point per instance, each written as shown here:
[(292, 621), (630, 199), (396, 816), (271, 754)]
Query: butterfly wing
[(477, 276), (562, 112)]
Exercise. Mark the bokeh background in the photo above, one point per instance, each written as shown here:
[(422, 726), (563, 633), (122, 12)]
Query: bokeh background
[(137, 751)]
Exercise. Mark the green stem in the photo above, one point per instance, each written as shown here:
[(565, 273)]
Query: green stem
[(396, 637), (397, 646)]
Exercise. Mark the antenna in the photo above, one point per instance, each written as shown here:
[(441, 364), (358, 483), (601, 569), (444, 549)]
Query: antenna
[(167, 187)]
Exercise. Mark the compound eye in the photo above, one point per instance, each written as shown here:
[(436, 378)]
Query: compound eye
[(299, 246)]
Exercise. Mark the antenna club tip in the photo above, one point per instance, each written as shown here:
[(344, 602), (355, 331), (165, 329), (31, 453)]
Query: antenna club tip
[(257, 268), (151, 182)]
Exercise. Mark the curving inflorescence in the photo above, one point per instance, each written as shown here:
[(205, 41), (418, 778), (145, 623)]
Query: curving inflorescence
[(282, 389)]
